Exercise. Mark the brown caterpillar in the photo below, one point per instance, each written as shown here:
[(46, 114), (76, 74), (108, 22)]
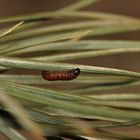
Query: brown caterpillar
[(60, 75)]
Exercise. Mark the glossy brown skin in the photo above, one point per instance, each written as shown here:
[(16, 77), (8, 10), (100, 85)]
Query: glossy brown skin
[(60, 75)]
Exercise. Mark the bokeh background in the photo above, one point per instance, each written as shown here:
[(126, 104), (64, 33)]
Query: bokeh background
[(125, 7)]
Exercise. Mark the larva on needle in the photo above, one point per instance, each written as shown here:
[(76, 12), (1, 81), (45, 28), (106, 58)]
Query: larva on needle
[(60, 75)]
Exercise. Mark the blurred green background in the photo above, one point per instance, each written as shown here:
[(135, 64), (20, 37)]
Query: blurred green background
[(125, 7)]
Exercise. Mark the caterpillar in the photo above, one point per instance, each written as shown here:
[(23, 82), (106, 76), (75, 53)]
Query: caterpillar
[(60, 75)]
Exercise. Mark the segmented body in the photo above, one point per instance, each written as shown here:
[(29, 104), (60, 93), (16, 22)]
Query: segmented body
[(60, 75)]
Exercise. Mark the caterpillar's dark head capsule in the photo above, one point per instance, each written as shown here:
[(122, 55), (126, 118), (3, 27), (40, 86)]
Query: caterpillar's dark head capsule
[(60, 75), (77, 71)]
